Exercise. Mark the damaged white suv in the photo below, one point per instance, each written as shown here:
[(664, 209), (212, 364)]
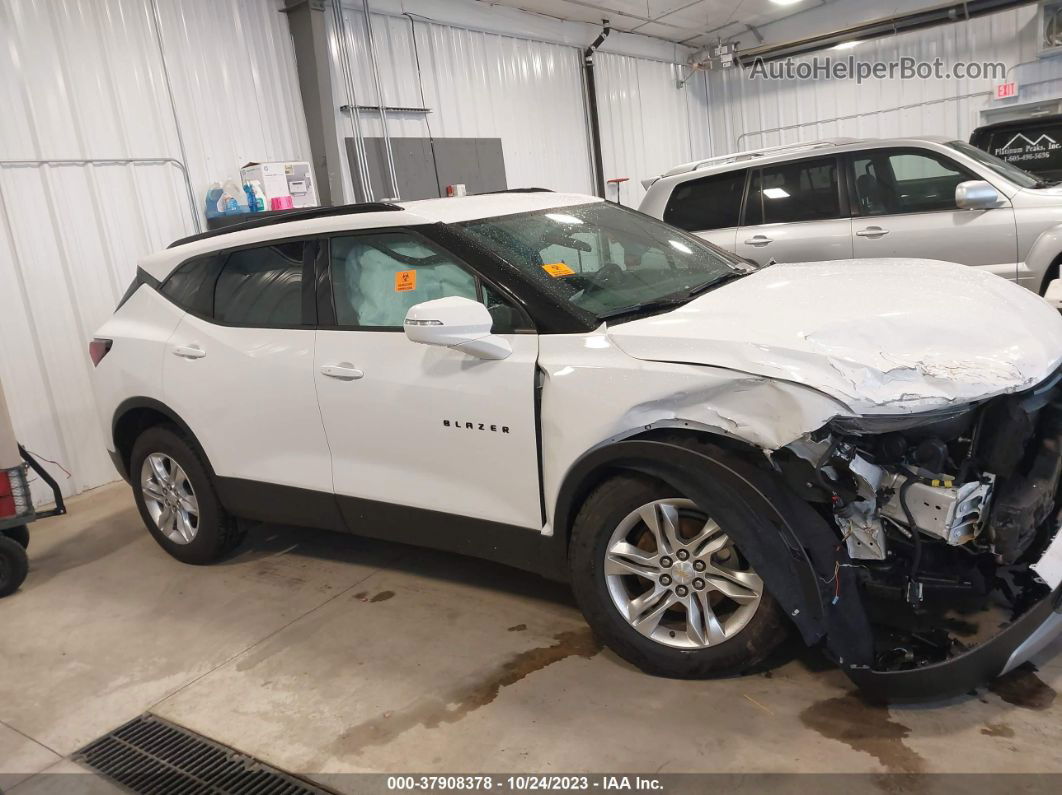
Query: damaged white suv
[(711, 452)]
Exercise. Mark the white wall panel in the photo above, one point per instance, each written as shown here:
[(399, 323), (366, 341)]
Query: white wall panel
[(485, 85), (748, 113), (84, 80), (648, 123), (234, 82)]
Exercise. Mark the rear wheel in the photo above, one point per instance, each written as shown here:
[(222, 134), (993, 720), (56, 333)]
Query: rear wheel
[(662, 583), (177, 499), (13, 566)]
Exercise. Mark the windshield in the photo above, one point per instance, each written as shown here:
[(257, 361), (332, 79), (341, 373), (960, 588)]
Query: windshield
[(605, 259), (1019, 176)]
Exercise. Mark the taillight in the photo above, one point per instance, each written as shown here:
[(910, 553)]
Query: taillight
[(98, 349), (14, 493), (7, 496)]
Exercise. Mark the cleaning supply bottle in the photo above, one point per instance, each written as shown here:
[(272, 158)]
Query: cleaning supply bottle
[(259, 196), (252, 205), (233, 200), (213, 197)]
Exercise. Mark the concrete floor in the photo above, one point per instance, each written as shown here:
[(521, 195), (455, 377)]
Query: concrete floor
[(325, 654)]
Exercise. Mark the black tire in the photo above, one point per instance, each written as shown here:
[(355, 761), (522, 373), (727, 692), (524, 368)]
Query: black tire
[(1051, 274), (19, 534), (14, 565), (600, 515), (217, 533)]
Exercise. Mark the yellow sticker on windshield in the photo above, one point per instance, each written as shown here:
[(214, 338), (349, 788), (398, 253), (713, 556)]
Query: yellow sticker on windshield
[(557, 269)]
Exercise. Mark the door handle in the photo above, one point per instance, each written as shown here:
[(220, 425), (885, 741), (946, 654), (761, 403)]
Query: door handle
[(758, 240), (873, 231), (344, 371), (188, 351)]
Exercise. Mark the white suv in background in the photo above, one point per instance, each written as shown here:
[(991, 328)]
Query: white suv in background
[(709, 451), (930, 198)]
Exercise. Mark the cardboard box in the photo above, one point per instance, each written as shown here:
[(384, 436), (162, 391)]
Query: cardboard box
[(293, 179)]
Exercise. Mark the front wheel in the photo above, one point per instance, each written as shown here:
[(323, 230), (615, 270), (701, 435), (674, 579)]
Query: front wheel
[(663, 585)]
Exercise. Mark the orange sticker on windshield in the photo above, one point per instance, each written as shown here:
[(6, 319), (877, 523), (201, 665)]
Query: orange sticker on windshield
[(557, 269), (405, 281)]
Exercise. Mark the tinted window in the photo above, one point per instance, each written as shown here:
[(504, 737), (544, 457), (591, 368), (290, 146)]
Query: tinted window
[(1034, 147), (261, 287), (906, 182), (710, 203), (377, 278), (191, 285), (791, 192)]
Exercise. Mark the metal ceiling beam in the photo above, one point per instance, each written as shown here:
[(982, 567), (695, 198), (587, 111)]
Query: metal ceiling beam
[(879, 28)]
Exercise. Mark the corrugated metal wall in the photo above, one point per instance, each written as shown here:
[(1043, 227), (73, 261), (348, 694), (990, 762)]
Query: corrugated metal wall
[(84, 80), (748, 113), (648, 123), (477, 84)]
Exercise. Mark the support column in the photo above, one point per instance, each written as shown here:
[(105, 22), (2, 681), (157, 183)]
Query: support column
[(306, 20)]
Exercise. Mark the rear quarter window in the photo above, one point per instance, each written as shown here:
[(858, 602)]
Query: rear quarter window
[(709, 203), (191, 285)]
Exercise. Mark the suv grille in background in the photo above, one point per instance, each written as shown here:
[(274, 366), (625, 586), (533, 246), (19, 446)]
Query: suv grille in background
[(150, 755)]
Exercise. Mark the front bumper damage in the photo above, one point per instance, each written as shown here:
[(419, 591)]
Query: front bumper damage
[(954, 577), (1014, 644)]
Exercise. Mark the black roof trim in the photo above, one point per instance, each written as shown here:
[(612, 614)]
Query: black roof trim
[(515, 190), (283, 216)]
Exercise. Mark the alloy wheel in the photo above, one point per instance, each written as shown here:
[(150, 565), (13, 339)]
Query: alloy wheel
[(170, 498), (677, 578)]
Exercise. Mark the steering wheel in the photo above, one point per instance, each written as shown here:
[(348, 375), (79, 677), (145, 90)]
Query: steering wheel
[(600, 280)]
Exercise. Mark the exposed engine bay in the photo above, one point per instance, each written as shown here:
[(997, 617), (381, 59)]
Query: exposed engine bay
[(943, 516)]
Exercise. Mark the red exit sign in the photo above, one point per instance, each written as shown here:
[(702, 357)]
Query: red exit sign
[(1007, 90)]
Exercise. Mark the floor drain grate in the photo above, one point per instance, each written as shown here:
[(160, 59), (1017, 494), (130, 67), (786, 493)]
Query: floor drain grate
[(150, 755)]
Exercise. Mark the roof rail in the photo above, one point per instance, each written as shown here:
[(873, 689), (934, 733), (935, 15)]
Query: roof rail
[(751, 154), (284, 216)]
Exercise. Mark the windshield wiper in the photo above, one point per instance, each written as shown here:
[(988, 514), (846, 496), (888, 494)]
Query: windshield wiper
[(726, 279), (673, 301), (645, 306), (1046, 183)]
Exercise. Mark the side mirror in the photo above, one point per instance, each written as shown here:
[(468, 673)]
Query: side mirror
[(1054, 294), (458, 323), (975, 194)]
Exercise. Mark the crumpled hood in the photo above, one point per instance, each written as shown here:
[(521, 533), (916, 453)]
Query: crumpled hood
[(880, 335)]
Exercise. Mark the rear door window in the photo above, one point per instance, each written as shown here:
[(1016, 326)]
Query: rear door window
[(261, 287), (708, 203), (804, 190)]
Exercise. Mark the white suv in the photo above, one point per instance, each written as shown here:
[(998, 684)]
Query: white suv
[(710, 451), (844, 198)]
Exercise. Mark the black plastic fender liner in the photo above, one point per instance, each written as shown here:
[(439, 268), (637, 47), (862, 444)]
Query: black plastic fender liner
[(791, 547)]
